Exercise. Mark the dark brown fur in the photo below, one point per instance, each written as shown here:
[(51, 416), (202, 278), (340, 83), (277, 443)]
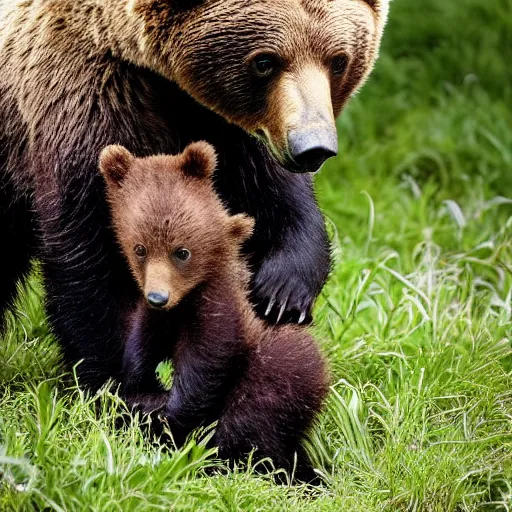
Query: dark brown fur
[(264, 384)]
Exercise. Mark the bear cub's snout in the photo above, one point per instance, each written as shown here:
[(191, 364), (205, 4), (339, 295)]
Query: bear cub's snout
[(157, 299)]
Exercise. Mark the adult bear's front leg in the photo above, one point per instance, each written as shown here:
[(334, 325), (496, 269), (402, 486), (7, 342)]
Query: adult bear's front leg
[(291, 275), (289, 251)]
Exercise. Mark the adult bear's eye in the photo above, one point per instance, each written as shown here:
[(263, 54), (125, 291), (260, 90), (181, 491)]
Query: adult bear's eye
[(182, 254), (140, 251), (339, 65), (264, 65)]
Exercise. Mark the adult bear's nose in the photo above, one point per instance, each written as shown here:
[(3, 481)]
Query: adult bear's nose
[(310, 149), (158, 299)]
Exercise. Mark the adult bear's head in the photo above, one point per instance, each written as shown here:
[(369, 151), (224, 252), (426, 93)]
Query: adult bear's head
[(280, 69)]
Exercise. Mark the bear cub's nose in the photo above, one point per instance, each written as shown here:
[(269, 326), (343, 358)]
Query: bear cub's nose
[(158, 299)]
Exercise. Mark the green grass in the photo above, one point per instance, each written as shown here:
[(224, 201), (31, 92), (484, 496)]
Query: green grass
[(416, 319)]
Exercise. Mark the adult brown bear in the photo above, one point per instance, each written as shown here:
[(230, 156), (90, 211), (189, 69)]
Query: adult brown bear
[(153, 75)]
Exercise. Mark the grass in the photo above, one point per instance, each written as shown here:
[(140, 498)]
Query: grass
[(416, 319)]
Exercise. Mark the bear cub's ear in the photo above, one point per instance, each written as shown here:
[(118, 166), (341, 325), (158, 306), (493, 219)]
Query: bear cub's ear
[(199, 160), (115, 162), (241, 227)]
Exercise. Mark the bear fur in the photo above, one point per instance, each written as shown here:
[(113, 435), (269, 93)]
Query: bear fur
[(154, 75), (264, 384)]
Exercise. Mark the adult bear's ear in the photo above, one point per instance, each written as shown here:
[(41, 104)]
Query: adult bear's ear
[(241, 227), (199, 160), (115, 162)]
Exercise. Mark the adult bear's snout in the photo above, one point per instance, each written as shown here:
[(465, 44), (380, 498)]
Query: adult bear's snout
[(310, 149), (301, 130)]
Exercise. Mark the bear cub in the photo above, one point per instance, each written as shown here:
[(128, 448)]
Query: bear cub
[(265, 385)]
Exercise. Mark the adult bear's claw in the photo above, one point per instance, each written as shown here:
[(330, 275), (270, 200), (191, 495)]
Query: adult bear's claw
[(271, 303), (281, 311), (280, 295)]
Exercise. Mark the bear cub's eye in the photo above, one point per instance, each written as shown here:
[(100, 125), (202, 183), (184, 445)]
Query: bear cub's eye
[(182, 254), (264, 65), (339, 65), (140, 251)]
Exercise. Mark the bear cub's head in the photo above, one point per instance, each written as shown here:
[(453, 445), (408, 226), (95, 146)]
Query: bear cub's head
[(170, 223)]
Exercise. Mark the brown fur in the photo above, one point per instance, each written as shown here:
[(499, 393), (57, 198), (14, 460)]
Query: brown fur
[(316, 31), (279, 379), (176, 40)]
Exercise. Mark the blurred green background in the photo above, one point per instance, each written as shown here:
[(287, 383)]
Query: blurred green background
[(437, 112), (416, 319)]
